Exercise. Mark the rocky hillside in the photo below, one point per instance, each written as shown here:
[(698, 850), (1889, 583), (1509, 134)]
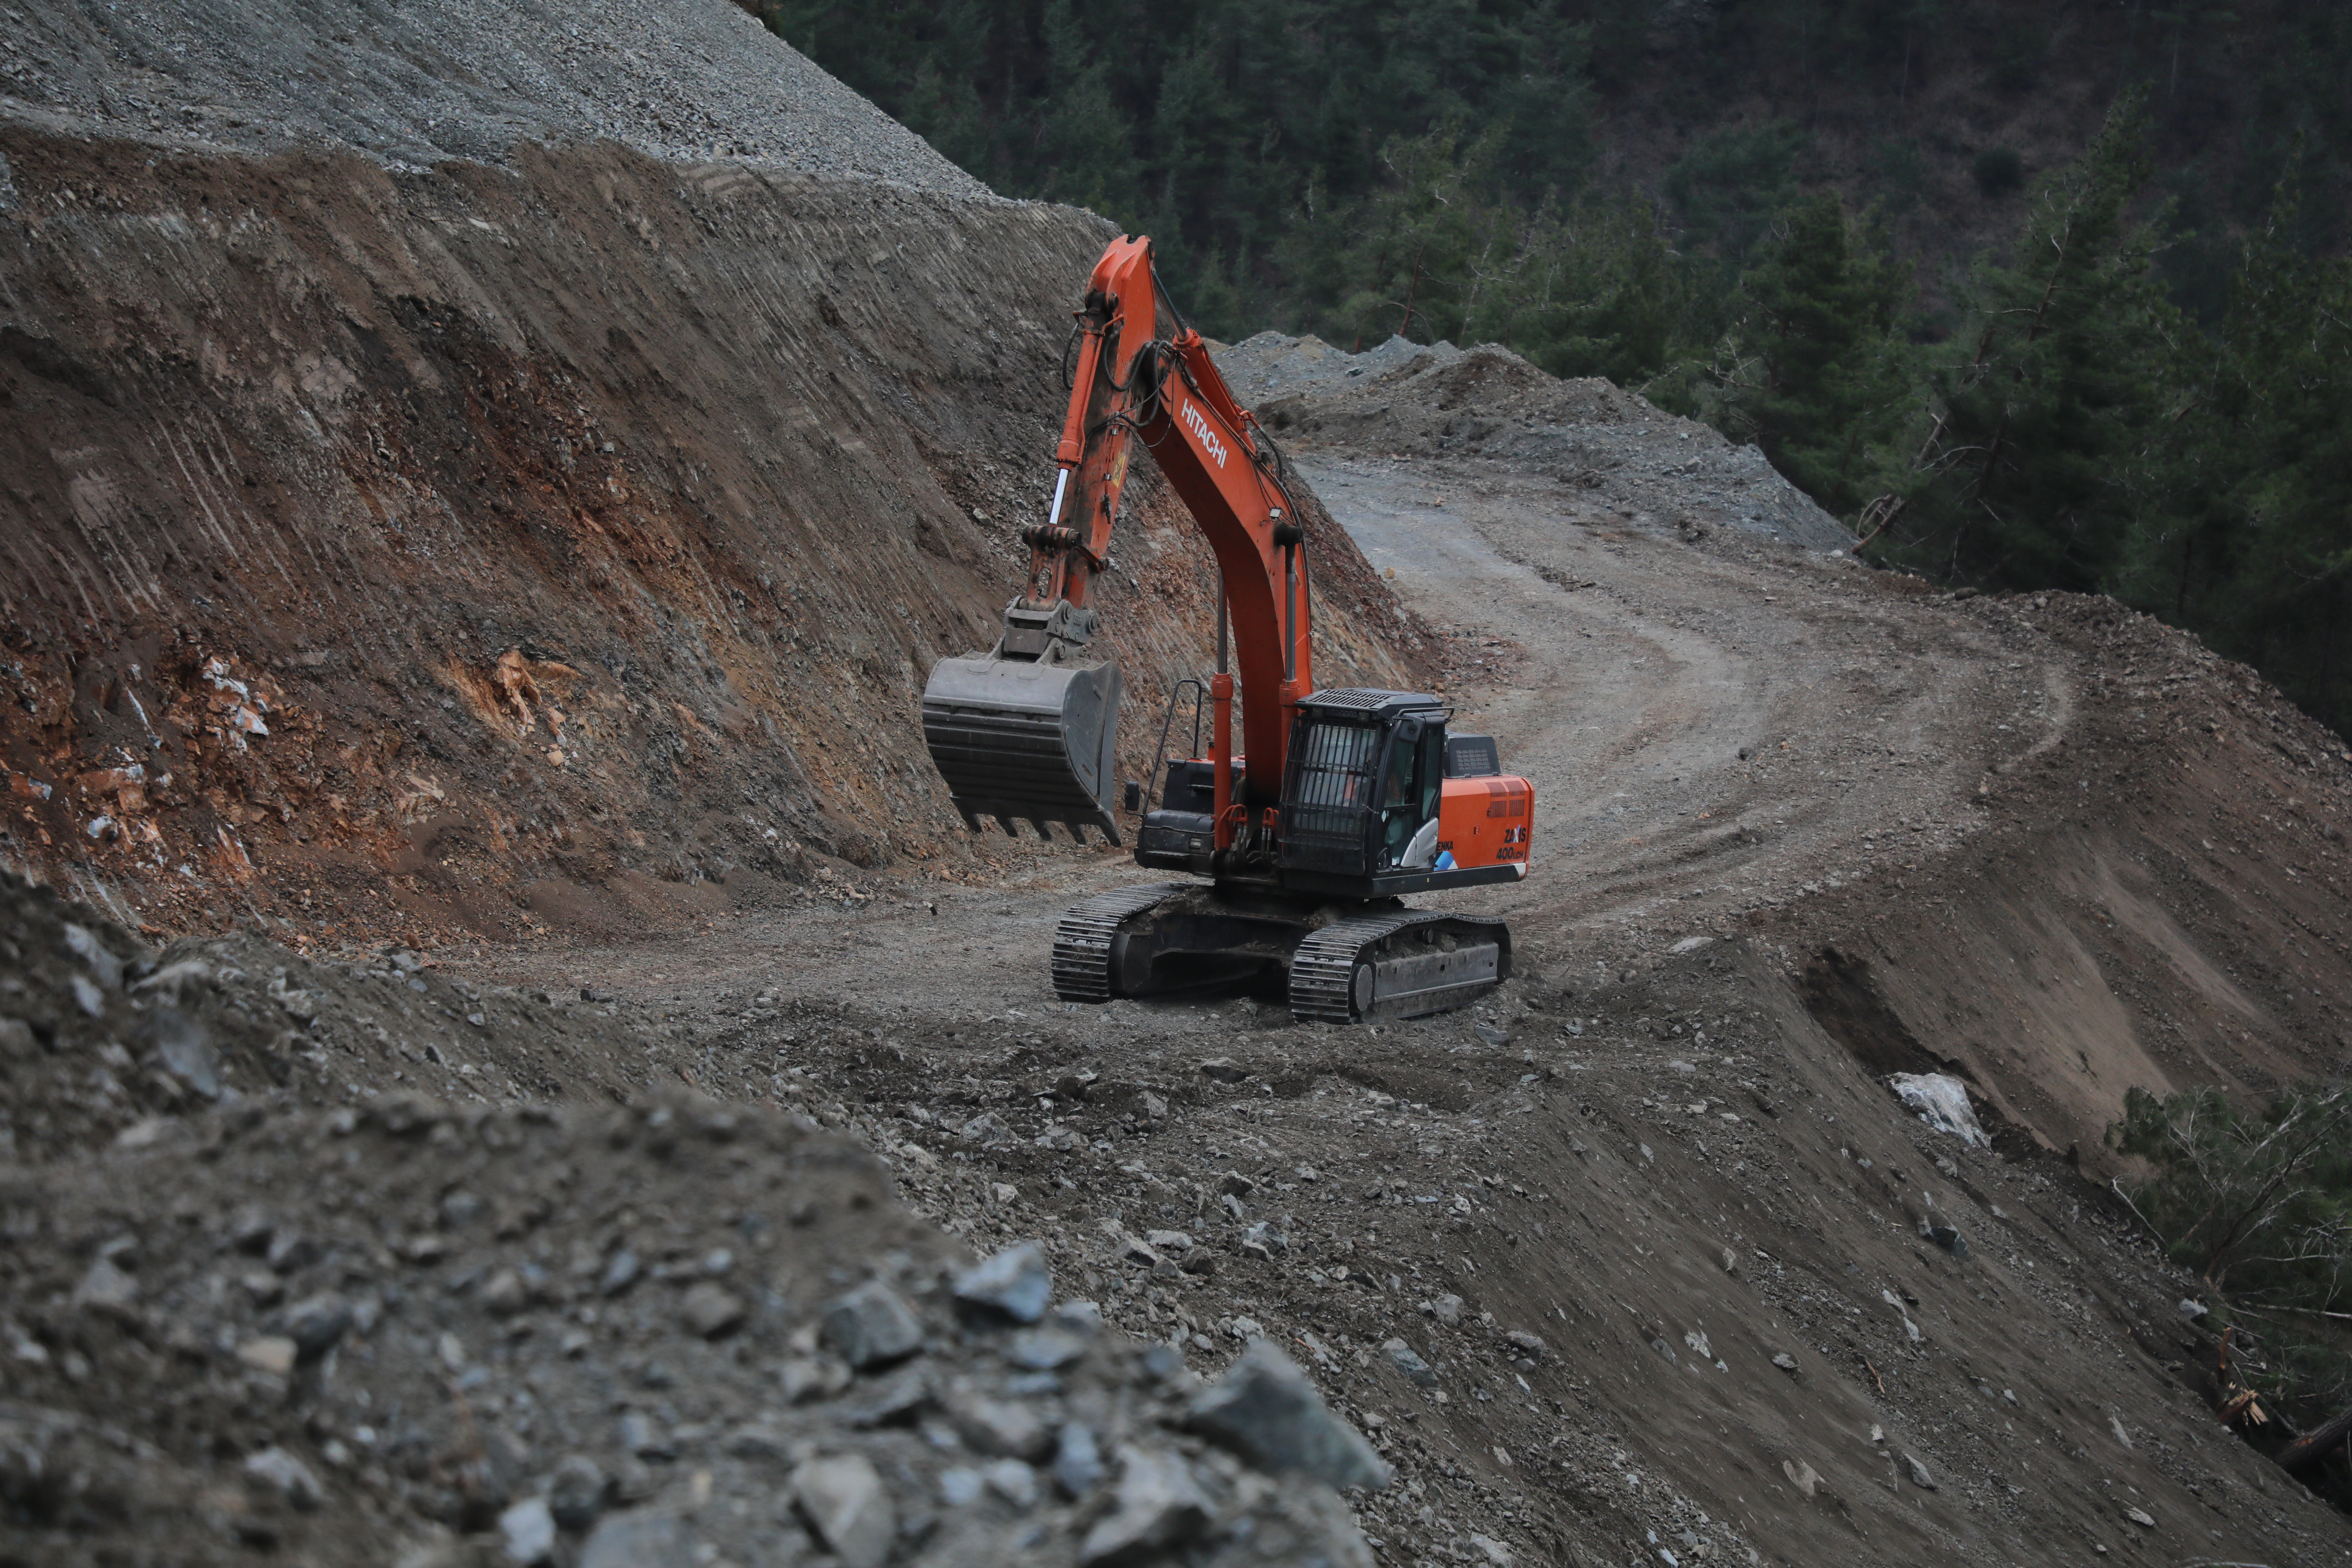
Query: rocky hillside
[(429, 82), (556, 539)]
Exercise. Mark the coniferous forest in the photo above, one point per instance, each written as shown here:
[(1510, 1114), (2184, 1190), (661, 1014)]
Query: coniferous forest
[(2035, 295)]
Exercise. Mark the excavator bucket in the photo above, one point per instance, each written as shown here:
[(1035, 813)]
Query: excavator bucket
[(1024, 741)]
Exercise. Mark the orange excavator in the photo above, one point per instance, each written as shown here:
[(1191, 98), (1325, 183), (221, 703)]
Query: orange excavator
[(1340, 803)]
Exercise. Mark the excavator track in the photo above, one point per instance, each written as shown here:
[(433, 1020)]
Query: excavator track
[(1082, 942), (1402, 964)]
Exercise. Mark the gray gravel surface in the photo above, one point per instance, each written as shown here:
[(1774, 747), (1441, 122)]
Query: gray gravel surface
[(424, 80), (401, 1328), (1621, 458)]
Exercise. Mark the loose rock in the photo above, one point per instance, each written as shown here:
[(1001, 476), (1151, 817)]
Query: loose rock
[(1410, 1364), (527, 1530), (711, 1310), (575, 1495), (1014, 1282), (316, 1322), (812, 1377), (107, 1288), (289, 1477), (1264, 1409), (1003, 1427), (872, 1327), (843, 1499), (273, 1353), (637, 1538), (1077, 1460), (1158, 1504), (1043, 1348)]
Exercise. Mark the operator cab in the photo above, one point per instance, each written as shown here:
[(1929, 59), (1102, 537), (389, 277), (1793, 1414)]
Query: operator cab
[(1380, 799)]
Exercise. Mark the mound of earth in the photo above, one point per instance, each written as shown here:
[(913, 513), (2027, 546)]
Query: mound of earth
[(430, 80), (677, 1334), (1618, 459)]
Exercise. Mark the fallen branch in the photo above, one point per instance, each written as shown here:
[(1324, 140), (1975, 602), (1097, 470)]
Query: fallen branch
[(2316, 1445), (1894, 505)]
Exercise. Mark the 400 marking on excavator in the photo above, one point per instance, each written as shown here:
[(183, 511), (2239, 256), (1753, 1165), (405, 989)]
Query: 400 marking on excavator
[(1199, 428)]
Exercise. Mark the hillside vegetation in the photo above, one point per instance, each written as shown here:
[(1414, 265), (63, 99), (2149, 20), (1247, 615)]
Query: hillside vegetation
[(2035, 296)]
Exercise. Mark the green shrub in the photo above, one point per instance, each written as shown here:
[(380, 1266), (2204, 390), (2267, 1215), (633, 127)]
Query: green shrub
[(2259, 1204)]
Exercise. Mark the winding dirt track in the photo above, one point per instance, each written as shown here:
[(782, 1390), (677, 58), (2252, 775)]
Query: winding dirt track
[(1712, 728), (1709, 726), (1667, 1157)]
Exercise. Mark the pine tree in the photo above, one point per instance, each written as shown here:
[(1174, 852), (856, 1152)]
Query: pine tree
[(2254, 549), (2034, 464), (1410, 270), (1601, 291), (1817, 366)]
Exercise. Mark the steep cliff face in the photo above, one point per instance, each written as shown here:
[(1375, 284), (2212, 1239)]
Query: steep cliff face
[(559, 543)]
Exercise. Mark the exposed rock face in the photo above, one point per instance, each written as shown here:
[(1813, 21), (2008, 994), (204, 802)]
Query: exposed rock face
[(561, 543)]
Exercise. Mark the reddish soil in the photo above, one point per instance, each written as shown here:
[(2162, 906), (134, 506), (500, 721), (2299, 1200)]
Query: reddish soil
[(486, 553)]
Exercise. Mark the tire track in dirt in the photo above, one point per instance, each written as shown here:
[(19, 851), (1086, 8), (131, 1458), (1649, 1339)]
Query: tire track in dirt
[(1704, 741)]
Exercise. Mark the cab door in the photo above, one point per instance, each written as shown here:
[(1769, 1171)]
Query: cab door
[(1411, 781)]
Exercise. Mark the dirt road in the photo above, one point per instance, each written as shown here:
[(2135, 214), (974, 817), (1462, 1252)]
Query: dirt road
[(1710, 724)]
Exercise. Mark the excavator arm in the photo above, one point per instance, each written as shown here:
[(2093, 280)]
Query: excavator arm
[(1348, 800), (1025, 732)]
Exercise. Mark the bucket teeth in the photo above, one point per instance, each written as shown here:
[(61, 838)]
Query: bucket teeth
[(1024, 740)]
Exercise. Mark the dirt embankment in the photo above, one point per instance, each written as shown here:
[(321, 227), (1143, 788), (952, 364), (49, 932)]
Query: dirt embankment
[(1617, 457), (493, 549), (432, 80)]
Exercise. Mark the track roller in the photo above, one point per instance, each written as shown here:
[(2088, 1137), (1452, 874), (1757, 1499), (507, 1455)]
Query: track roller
[(1403, 963)]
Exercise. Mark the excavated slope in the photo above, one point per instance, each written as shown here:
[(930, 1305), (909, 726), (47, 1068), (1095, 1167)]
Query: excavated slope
[(560, 544)]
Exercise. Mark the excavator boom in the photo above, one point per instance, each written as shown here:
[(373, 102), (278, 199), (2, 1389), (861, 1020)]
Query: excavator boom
[(1023, 731)]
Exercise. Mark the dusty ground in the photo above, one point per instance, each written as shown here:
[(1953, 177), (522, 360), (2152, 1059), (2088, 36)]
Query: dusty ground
[(1626, 1266), (1801, 825)]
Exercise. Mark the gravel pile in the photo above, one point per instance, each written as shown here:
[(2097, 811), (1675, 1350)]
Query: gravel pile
[(434, 79), (405, 1328), (105, 1038), (677, 1332), (1621, 460)]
